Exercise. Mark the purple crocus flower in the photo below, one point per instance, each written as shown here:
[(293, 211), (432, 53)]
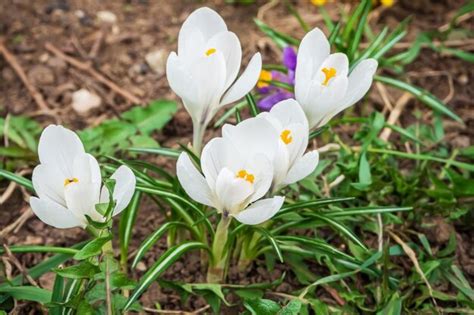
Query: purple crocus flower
[(272, 94)]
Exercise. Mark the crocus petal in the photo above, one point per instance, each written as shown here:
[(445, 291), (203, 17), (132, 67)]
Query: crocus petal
[(216, 155), (252, 136), (179, 78), (229, 45), (360, 80), (338, 61), (322, 100), (289, 58), (207, 21), (261, 167), (231, 190), (313, 50), (54, 214), (125, 182), (48, 182), (86, 170), (302, 167), (192, 181), (209, 75), (245, 83), (81, 198), (260, 211), (59, 146), (289, 112)]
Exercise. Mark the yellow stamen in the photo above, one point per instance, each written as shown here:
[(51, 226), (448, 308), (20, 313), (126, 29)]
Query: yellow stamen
[(68, 181), (210, 51), (265, 76), (285, 136), (246, 176), (387, 3), (318, 2), (329, 73)]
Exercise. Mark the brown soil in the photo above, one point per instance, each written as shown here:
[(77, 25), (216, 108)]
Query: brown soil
[(144, 26)]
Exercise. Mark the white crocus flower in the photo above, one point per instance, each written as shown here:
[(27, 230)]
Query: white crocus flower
[(323, 85), (69, 184), (204, 71), (234, 179), (290, 163)]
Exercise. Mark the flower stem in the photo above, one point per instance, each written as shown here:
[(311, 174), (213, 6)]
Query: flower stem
[(217, 264), (108, 252), (198, 134)]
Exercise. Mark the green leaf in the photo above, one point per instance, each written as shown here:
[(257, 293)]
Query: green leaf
[(311, 204), (355, 39), (213, 287), (262, 307), (93, 248), (127, 221), (423, 157), (27, 293), (152, 117), (367, 210), (165, 260), (82, 270), (41, 249), (272, 241), (159, 151), (422, 95), (57, 295), (20, 180), (393, 307), (152, 239), (292, 308), (280, 39), (252, 105)]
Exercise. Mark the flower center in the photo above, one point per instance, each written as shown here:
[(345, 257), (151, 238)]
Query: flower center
[(285, 136), (318, 2), (265, 76), (245, 176), (210, 51), (68, 181), (329, 73)]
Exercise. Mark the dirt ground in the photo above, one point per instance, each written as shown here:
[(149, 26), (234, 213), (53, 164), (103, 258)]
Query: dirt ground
[(118, 50)]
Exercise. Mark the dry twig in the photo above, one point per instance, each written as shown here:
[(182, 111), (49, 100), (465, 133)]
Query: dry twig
[(395, 115), (35, 94), (19, 266), (86, 67), (412, 256)]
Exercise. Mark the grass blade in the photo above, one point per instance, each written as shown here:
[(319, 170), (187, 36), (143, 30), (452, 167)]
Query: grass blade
[(252, 104), (422, 95), (166, 260), (272, 241), (27, 293), (173, 153), (20, 180), (127, 221), (364, 211), (152, 239), (422, 157)]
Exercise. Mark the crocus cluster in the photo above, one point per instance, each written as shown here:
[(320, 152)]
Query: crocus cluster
[(252, 159), (68, 182), (242, 170)]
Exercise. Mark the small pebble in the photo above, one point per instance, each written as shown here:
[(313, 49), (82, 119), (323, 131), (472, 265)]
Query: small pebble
[(107, 17), (156, 60), (84, 101)]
